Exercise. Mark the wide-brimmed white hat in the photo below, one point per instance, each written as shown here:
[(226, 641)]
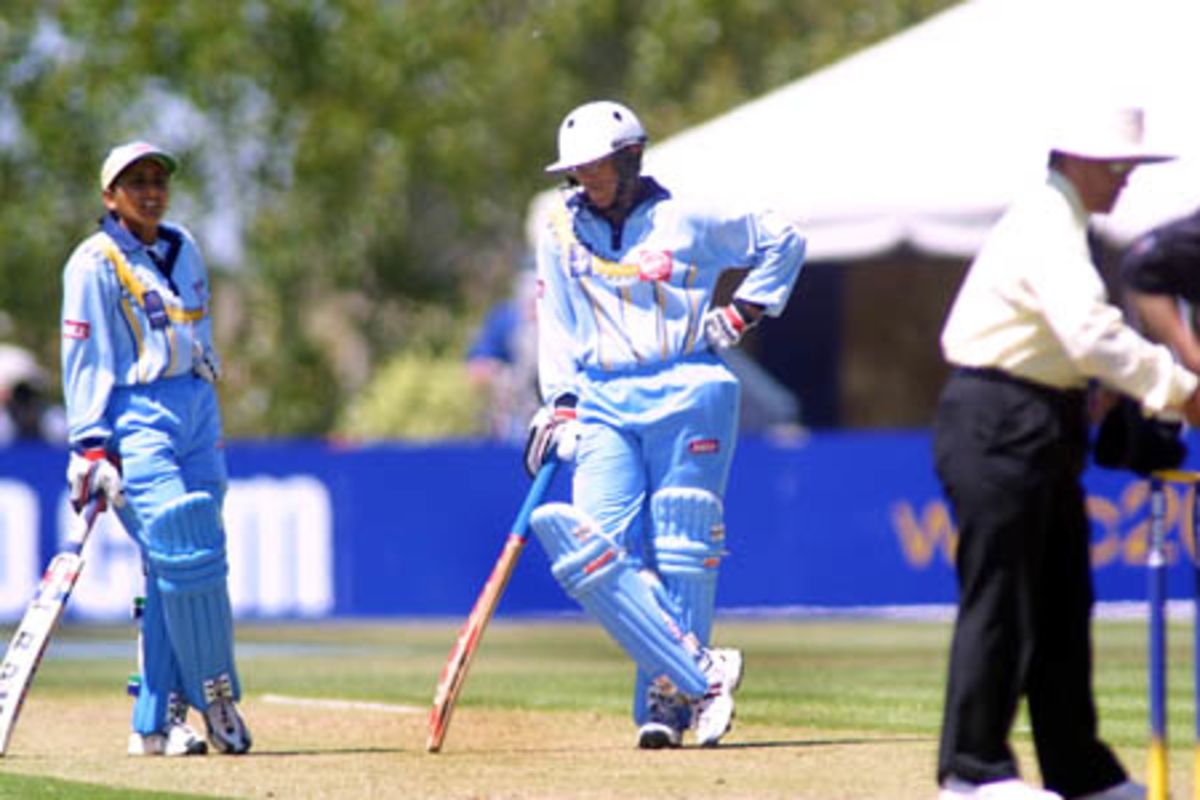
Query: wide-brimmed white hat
[(1112, 134), (123, 155)]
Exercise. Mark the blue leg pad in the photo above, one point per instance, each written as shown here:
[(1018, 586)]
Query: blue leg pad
[(642, 681), (596, 573), (186, 554), (159, 669), (689, 541)]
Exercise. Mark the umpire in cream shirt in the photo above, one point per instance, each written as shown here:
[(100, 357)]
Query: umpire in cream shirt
[(1031, 325)]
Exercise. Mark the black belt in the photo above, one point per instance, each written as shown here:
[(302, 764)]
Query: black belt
[(994, 375)]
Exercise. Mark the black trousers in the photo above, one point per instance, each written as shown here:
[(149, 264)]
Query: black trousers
[(1010, 455)]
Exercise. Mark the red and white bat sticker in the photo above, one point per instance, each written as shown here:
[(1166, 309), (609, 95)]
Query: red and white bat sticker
[(76, 329)]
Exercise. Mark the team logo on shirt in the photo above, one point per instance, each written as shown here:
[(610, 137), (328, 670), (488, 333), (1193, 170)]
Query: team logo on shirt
[(76, 329), (156, 310), (702, 447)]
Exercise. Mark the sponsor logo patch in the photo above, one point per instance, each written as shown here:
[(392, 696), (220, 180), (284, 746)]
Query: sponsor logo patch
[(655, 266), (704, 446), (76, 329), (156, 310)]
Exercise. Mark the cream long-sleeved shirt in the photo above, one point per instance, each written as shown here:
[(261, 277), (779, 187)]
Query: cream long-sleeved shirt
[(1034, 306)]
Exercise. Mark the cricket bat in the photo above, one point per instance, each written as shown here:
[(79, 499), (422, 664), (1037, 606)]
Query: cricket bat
[(28, 644), (454, 674)]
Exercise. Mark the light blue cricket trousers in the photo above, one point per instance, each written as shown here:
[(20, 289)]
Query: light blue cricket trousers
[(168, 434), (666, 425)]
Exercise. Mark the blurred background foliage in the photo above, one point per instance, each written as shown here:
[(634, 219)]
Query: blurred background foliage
[(357, 171)]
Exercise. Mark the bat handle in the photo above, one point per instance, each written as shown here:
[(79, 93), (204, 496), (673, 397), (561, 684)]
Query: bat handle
[(82, 524), (541, 484)]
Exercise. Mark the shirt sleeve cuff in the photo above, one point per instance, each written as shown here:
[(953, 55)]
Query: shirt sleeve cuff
[(88, 443), (1181, 386)]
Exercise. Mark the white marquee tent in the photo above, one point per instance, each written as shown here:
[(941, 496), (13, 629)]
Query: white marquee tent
[(923, 139)]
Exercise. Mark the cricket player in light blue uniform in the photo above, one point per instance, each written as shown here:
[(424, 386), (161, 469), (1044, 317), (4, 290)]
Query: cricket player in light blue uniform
[(145, 430), (637, 394)]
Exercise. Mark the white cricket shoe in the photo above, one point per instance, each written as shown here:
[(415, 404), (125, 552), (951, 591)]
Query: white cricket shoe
[(1128, 790), (1011, 789), (712, 714), (667, 718), (226, 730), (179, 740)]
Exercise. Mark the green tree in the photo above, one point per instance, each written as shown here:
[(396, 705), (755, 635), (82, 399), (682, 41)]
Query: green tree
[(357, 171)]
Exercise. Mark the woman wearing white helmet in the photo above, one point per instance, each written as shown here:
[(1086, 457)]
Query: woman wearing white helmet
[(637, 395)]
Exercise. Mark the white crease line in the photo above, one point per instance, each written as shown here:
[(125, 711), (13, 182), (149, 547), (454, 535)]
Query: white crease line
[(341, 705)]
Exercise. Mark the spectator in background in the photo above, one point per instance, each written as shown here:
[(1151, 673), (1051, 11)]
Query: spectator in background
[(502, 361), (27, 414)]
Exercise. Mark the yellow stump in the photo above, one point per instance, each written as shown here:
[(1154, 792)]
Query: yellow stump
[(1156, 773)]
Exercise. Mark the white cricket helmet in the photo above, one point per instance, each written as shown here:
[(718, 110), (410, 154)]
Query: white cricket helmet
[(593, 131)]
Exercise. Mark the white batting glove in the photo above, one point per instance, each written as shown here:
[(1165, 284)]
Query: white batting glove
[(91, 472), (724, 326), (553, 429)]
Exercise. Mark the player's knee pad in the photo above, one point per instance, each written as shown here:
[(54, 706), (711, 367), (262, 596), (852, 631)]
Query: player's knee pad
[(186, 554), (689, 541), (595, 572)]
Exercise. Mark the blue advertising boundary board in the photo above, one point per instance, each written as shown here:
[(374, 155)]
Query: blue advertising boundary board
[(317, 529)]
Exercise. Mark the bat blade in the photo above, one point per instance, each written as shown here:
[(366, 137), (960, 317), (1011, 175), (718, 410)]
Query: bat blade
[(454, 674), (41, 617)]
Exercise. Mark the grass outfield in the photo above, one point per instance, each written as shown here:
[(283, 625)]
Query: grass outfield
[(828, 710)]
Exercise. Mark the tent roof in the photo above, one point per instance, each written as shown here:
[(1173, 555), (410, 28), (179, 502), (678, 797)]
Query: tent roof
[(925, 138)]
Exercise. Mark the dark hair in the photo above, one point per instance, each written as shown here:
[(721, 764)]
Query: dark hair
[(629, 161)]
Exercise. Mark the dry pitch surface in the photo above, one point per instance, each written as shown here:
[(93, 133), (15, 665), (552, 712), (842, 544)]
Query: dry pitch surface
[(366, 749), (304, 751)]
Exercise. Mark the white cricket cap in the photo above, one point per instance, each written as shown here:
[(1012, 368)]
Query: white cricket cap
[(1115, 134), (123, 155)]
